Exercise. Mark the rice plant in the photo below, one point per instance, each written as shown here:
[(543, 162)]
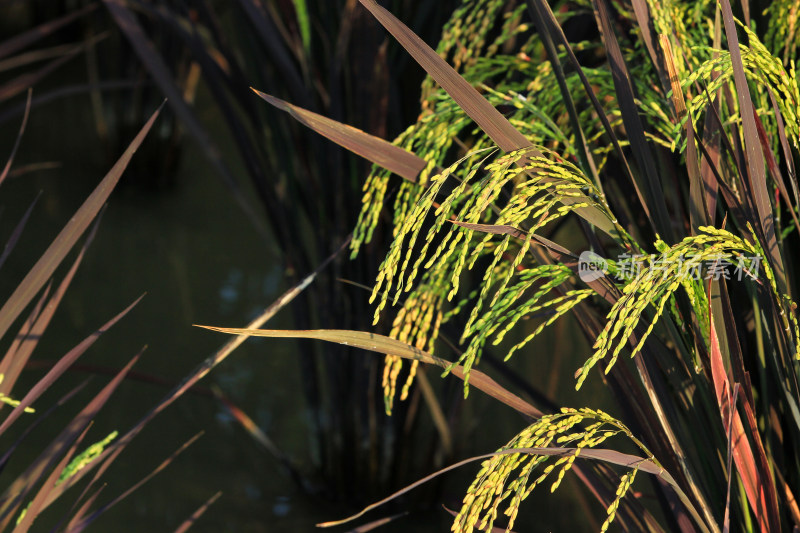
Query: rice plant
[(665, 143)]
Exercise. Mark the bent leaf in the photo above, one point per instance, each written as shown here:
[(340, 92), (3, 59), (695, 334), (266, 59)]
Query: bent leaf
[(386, 345)]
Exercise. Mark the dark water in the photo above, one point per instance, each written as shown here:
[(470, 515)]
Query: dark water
[(198, 260)]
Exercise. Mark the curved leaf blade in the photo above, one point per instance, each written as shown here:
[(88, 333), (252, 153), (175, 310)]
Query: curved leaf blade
[(386, 345)]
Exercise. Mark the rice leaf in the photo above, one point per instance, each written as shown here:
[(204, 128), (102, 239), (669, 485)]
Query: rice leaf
[(386, 345), (68, 236), (376, 150)]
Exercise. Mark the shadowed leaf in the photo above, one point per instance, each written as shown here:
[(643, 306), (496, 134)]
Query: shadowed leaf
[(27, 80), (651, 197), (68, 236), (29, 37), (4, 173), (17, 233), (189, 522)]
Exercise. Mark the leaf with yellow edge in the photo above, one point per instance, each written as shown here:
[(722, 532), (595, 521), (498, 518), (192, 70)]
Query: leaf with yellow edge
[(386, 345)]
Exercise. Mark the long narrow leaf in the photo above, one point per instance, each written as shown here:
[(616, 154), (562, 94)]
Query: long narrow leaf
[(80, 513), (653, 201), (5, 170), (164, 464), (33, 510), (754, 160), (39, 420), (59, 368), (14, 361), (17, 233), (742, 452), (189, 522), (608, 456), (490, 120), (29, 37), (374, 149), (270, 36), (386, 345), (547, 35), (68, 236)]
